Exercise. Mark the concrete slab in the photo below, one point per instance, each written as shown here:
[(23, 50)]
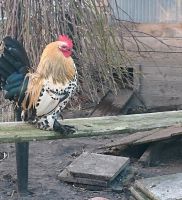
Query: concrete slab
[(167, 187), (67, 177), (97, 166)]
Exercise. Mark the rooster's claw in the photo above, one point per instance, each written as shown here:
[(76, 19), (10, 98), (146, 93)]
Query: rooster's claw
[(63, 129)]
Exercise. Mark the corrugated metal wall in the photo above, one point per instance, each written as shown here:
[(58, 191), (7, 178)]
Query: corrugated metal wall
[(148, 11)]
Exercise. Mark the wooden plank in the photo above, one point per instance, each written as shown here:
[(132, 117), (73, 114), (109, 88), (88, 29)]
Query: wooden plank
[(138, 195), (140, 187), (166, 89), (161, 97), (162, 134), (163, 93), (154, 101), (169, 70), (166, 78), (158, 44), (152, 83), (157, 100), (158, 59), (162, 82), (146, 137), (160, 29), (130, 139), (161, 73), (85, 127)]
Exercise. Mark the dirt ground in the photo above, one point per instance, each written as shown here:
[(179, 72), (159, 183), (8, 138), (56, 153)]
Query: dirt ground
[(48, 158)]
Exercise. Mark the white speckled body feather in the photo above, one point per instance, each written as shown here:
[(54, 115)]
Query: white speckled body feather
[(53, 98)]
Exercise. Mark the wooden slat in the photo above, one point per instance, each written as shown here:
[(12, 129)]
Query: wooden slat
[(164, 90), (139, 186), (158, 59), (163, 78), (161, 135), (167, 74), (144, 137), (138, 195), (130, 139), (165, 30), (160, 68), (19, 131), (173, 70), (154, 101), (154, 44), (163, 96)]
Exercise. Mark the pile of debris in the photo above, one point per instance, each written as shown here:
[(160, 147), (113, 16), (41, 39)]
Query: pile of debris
[(99, 171), (154, 139)]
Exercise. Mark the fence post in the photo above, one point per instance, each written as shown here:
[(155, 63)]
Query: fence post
[(22, 154)]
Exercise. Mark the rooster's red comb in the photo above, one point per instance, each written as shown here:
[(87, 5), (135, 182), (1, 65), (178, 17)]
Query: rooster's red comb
[(65, 38)]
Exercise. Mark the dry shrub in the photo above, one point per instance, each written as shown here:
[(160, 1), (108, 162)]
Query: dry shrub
[(100, 53)]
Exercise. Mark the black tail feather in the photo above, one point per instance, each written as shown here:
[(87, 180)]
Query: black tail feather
[(13, 57), (6, 66), (4, 74), (14, 65), (12, 62), (16, 50)]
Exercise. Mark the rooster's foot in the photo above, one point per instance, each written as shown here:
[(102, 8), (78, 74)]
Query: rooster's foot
[(63, 129)]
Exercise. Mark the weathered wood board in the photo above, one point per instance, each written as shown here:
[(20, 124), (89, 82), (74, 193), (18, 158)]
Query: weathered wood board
[(162, 134), (137, 194), (162, 187), (85, 127), (147, 137), (130, 139), (153, 44), (160, 81), (160, 70)]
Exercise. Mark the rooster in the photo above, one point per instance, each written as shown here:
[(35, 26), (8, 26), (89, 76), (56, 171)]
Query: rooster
[(42, 94)]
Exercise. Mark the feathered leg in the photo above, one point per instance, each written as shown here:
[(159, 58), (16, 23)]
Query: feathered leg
[(50, 123)]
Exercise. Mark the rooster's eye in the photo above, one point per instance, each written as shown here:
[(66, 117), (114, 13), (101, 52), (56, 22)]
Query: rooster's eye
[(64, 46)]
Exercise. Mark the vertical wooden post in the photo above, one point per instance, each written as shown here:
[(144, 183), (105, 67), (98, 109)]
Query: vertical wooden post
[(22, 154), (22, 148)]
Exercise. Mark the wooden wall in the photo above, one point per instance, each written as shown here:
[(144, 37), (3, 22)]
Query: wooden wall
[(159, 71)]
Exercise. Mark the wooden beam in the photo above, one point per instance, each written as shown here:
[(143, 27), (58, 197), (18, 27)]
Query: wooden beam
[(151, 156), (137, 194), (85, 127)]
